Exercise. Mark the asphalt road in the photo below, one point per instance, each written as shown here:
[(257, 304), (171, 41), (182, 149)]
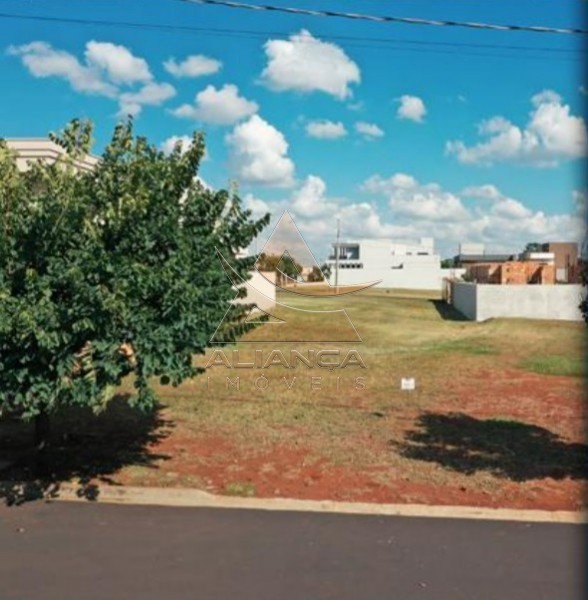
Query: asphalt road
[(64, 551)]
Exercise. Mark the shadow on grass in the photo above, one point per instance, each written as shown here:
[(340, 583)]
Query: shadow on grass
[(86, 448), (447, 312), (507, 449)]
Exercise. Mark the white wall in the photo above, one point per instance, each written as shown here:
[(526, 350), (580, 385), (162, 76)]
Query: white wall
[(414, 277), (485, 301), (260, 291)]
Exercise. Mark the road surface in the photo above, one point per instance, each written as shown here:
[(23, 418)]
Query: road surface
[(90, 551)]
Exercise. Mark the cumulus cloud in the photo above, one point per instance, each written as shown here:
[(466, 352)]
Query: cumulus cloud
[(151, 94), (368, 131), (196, 65), (409, 198), (325, 129), (222, 106), (258, 154), (42, 60), (257, 206), (551, 135), (108, 70), (118, 62), (305, 64), (411, 108)]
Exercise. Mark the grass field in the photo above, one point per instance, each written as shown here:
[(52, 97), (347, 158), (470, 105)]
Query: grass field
[(498, 416)]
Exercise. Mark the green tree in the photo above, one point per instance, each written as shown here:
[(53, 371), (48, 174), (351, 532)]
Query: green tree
[(284, 266), (111, 272), (533, 247), (584, 303)]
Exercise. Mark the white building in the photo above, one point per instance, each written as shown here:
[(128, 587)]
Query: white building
[(398, 265)]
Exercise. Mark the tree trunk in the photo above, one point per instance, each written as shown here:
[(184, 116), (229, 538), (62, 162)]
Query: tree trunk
[(42, 430)]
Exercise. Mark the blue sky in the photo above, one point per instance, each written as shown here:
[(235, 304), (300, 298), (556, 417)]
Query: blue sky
[(456, 141)]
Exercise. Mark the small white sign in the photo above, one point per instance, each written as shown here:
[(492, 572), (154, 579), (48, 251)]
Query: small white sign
[(407, 383)]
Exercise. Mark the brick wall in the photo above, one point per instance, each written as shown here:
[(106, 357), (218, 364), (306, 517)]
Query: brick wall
[(513, 273)]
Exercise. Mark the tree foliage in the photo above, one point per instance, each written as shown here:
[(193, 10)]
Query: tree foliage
[(584, 303), (284, 265), (112, 272)]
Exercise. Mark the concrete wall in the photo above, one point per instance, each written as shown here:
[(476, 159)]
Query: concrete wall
[(479, 302), (260, 291), (410, 278), (464, 298)]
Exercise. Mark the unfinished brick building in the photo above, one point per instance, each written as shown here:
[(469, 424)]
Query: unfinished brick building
[(513, 272)]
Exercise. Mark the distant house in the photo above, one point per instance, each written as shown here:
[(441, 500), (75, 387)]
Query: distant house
[(401, 265)]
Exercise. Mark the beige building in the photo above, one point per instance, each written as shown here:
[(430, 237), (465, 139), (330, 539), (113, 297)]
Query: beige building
[(33, 149)]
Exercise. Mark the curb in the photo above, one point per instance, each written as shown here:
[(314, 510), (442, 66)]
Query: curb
[(191, 498)]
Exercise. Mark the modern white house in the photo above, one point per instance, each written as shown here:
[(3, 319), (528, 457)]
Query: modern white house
[(397, 264)]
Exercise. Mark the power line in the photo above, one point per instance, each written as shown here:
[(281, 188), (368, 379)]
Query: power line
[(388, 43), (387, 19)]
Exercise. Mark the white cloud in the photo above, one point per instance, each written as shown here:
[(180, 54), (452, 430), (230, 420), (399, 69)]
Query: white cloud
[(196, 65), (368, 130), (304, 63), (326, 130), (220, 107), (411, 108), (408, 198), (151, 94), (42, 60), (258, 153), (119, 63), (108, 69), (168, 145), (552, 134), (485, 192), (257, 206)]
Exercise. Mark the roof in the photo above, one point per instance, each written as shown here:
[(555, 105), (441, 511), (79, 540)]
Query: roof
[(482, 258), (28, 149)]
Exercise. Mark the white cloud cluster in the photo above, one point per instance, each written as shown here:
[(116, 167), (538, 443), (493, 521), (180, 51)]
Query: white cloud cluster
[(411, 108), (477, 213), (151, 94), (552, 134), (222, 106), (325, 129), (304, 63), (408, 198), (107, 68), (368, 131), (258, 154), (196, 65)]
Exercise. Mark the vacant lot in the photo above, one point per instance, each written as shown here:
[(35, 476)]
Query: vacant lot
[(498, 416)]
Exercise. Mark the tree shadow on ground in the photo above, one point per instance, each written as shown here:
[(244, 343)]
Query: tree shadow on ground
[(507, 449), (84, 448), (447, 312)]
